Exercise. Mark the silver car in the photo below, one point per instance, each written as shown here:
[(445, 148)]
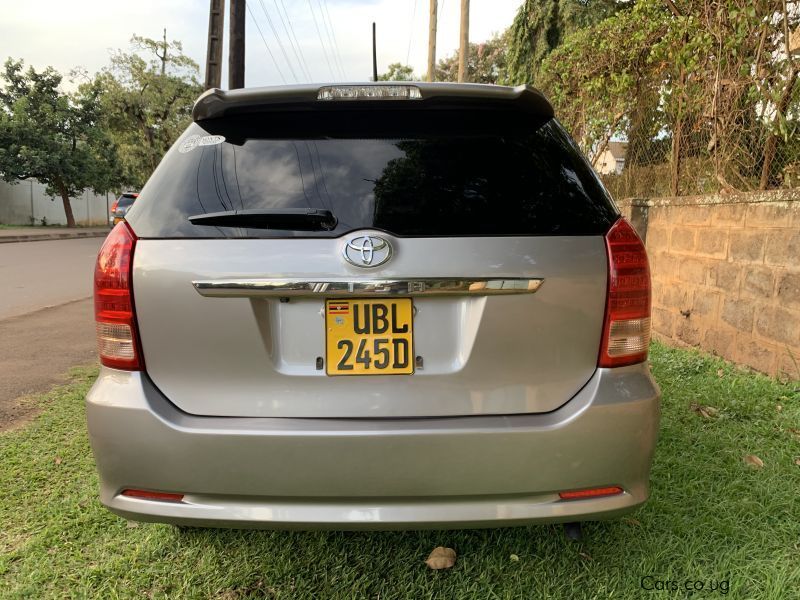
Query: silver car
[(373, 306)]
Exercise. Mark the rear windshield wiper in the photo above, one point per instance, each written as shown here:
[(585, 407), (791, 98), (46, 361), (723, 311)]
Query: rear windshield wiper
[(297, 219)]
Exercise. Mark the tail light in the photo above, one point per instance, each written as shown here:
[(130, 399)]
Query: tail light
[(115, 319), (626, 330), (114, 205)]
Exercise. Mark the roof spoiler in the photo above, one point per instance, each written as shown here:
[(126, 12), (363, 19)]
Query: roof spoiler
[(215, 103)]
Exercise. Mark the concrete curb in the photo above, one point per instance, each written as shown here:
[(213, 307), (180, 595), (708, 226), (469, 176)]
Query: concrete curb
[(43, 237)]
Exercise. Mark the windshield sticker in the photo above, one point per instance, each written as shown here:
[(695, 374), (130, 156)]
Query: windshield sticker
[(193, 141)]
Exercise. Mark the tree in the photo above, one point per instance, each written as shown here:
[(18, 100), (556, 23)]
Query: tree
[(601, 78), (147, 101), (540, 26), (714, 81), (53, 137), (398, 72), (487, 62)]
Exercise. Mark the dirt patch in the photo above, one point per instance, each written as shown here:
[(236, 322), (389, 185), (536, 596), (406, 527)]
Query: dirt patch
[(36, 352)]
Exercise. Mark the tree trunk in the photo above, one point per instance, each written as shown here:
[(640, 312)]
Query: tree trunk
[(677, 133), (65, 199), (675, 174), (771, 144)]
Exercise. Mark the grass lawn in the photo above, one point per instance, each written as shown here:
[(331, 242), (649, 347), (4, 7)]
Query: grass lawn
[(712, 518)]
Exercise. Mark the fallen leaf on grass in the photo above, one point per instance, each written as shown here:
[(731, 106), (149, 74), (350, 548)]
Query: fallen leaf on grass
[(720, 373), (778, 407), (132, 525), (441, 558), (585, 556), (797, 461), (753, 460), (58, 460), (514, 558), (631, 521), (707, 412), (794, 431)]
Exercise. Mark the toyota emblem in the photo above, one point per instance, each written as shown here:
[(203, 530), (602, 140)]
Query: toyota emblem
[(367, 251)]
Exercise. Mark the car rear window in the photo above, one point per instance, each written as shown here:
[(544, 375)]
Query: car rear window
[(125, 201), (409, 173)]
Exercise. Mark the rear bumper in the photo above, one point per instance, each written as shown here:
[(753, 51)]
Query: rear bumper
[(374, 474)]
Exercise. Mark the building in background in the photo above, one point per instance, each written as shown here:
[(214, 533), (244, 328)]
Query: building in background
[(612, 159)]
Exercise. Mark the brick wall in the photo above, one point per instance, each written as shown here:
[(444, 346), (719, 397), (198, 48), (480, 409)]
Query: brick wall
[(726, 275)]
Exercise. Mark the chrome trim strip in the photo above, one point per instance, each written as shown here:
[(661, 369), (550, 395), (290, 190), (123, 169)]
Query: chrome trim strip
[(416, 286)]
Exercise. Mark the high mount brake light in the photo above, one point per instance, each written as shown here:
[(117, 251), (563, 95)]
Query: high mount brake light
[(369, 92), (115, 319), (626, 330)]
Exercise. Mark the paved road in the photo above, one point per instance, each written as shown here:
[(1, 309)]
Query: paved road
[(36, 352), (46, 319), (35, 275)]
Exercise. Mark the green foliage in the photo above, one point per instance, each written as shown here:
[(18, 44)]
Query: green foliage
[(711, 79), (540, 26), (398, 72), (487, 62), (53, 137), (600, 76), (147, 102)]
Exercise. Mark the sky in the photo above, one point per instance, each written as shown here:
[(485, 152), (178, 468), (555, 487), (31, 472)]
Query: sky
[(66, 34)]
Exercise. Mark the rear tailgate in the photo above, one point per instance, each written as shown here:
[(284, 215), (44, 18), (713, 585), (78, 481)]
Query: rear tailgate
[(499, 199), (477, 354)]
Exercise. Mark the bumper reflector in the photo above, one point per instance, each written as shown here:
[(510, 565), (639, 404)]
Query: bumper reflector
[(591, 493), (148, 495)]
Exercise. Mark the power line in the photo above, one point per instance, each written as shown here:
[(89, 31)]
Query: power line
[(324, 51), (278, 39), (333, 37), (324, 20), (411, 31), (297, 43), (263, 39), (296, 49)]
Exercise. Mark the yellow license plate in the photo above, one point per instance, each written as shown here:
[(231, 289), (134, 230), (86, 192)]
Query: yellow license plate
[(369, 337)]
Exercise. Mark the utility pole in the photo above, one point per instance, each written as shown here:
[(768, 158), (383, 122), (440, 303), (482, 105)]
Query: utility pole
[(374, 55), (432, 42), (463, 52), (236, 45), (214, 47), (164, 56)]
